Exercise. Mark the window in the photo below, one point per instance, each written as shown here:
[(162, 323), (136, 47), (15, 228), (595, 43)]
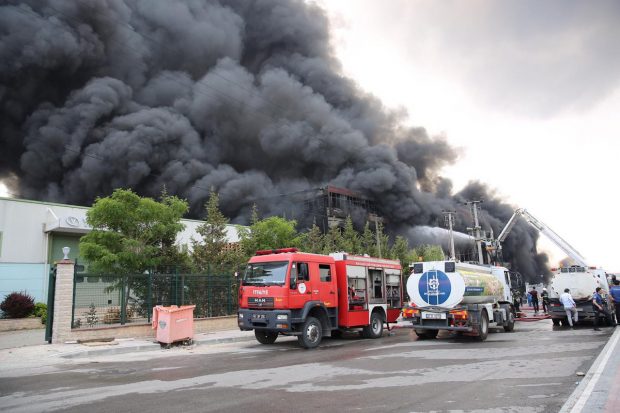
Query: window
[(265, 273), (325, 270), (299, 272), (376, 278)]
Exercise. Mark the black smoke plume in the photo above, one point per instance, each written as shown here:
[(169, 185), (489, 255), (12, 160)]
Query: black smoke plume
[(245, 97)]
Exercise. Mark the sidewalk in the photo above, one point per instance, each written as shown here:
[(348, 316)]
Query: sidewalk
[(42, 357), (599, 391)]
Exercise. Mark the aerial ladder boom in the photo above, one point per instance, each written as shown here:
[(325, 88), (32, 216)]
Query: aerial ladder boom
[(549, 233)]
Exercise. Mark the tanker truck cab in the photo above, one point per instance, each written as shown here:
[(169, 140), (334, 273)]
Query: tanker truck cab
[(464, 298), (286, 292)]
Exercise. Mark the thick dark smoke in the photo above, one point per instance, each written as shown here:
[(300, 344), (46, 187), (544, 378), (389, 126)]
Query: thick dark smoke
[(245, 97)]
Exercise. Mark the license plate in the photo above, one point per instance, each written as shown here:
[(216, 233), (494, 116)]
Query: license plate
[(258, 316), (433, 316)]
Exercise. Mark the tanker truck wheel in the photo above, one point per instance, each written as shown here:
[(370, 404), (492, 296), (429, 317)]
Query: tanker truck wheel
[(265, 337), (311, 333), (510, 323), (482, 329)]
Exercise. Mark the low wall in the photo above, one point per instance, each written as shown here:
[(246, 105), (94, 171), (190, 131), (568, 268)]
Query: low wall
[(10, 324), (203, 325)]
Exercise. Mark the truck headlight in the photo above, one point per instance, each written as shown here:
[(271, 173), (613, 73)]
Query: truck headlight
[(282, 317), (240, 315)]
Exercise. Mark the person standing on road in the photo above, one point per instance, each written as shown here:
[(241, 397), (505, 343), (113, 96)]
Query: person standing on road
[(569, 306), (597, 306), (545, 300), (534, 295), (516, 300), (614, 292)]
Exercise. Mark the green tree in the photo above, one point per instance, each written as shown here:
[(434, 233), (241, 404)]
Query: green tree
[(131, 234), (428, 252), (400, 251), (333, 240), (312, 241), (211, 252), (269, 233), (368, 241), (351, 242)]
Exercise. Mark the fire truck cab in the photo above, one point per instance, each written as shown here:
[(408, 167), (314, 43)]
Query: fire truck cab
[(287, 292)]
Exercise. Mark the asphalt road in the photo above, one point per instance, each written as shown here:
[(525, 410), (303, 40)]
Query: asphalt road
[(533, 369)]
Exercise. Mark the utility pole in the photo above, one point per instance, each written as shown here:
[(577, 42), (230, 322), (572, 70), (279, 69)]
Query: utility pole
[(449, 216), (474, 209), (374, 217)]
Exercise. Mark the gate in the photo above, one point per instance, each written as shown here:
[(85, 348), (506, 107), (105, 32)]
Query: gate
[(51, 290)]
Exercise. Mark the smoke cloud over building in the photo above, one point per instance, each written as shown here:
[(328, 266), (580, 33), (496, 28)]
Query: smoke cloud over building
[(243, 97)]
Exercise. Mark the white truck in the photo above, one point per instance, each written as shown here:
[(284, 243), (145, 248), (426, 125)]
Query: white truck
[(580, 279), (582, 282), (460, 297)]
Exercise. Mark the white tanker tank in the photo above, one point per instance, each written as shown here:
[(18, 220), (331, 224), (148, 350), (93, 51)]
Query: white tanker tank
[(438, 284), (468, 298)]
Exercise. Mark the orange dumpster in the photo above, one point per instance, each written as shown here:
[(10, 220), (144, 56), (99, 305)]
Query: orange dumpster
[(174, 324)]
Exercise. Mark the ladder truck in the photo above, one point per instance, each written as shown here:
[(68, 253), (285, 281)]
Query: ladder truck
[(580, 278)]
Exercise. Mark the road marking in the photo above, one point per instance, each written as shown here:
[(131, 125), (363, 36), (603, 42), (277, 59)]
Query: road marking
[(578, 407)]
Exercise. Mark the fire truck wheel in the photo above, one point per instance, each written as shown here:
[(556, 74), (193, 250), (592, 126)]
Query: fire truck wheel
[(375, 328), (482, 329), (311, 333), (265, 337)]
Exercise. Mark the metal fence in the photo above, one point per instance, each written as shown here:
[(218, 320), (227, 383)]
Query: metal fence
[(104, 299)]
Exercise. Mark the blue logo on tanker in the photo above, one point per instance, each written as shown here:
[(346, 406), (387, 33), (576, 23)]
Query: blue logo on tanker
[(434, 287)]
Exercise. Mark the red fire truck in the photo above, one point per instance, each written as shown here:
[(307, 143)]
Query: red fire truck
[(299, 294)]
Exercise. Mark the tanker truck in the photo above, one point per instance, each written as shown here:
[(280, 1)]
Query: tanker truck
[(581, 281), (465, 298)]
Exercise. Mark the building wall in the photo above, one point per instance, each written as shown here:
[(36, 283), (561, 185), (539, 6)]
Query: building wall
[(32, 235)]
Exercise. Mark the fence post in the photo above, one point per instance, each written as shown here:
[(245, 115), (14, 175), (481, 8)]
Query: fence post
[(63, 301), (209, 298), (73, 300), (123, 307), (228, 297), (149, 297), (176, 286)]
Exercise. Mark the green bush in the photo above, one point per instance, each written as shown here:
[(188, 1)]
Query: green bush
[(40, 310), (17, 305)]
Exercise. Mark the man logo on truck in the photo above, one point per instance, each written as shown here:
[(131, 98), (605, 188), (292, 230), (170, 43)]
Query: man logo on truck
[(434, 287)]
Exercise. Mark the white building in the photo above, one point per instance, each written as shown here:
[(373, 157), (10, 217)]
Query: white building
[(32, 235)]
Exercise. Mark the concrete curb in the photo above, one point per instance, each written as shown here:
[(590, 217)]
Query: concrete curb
[(150, 347), (592, 372)]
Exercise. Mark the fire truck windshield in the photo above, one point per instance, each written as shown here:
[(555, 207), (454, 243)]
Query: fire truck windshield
[(265, 273)]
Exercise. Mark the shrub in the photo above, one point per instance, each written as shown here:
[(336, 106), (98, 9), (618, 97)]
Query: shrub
[(17, 305), (40, 310)]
